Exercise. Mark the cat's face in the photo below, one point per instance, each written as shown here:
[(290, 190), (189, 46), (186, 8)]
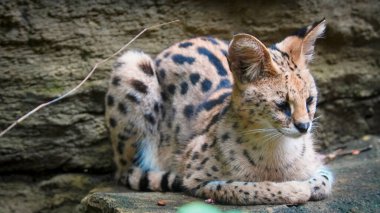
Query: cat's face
[(273, 86)]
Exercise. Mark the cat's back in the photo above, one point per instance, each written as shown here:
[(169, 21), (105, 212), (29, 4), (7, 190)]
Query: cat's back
[(195, 82)]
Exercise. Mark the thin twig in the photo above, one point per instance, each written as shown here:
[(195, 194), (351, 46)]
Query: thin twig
[(83, 81), (341, 152)]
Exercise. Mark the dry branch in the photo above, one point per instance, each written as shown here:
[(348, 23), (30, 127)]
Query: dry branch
[(83, 81), (341, 152)]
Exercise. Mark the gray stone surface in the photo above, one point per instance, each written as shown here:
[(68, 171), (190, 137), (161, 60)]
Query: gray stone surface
[(46, 193), (356, 189)]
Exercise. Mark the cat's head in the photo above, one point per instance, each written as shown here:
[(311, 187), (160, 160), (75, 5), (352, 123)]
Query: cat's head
[(273, 86)]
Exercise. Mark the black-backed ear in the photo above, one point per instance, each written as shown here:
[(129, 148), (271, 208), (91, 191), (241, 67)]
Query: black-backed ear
[(314, 32), (301, 44), (248, 58)]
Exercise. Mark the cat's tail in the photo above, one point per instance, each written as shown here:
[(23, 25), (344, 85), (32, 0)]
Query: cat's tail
[(135, 83), (133, 110), (140, 180)]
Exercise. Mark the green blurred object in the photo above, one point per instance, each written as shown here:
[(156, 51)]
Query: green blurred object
[(198, 207)]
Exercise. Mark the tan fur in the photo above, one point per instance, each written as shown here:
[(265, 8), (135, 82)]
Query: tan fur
[(236, 129)]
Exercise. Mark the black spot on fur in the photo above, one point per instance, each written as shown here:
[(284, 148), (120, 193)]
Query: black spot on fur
[(139, 86), (214, 168), (198, 179), (171, 89), (224, 83), (194, 78), (213, 60), (284, 54), (211, 39), (132, 98), (146, 67), (303, 149), (188, 111), (122, 161), (178, 185), (122, 108), (251, 161), (110, 100), (225, 136), (158, 62), (181, 59), (166, 54), (122, 137), (150, 118), (156, 107), (204, 161), (213, 143), (215, 119), (218, 187), (144, 182), (205, 183), (120, 147), (195, 156), (206, 85), (112, 122), (204, 147), (165, 182), (210, 104), (164, 97), (162, 73), (185, 44), (116, 80), (184, 88)]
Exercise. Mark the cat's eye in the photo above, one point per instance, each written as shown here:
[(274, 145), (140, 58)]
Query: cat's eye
[(285, 107), (309, 100)]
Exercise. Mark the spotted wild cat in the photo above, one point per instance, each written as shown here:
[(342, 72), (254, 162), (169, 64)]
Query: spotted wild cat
[(231, 122)]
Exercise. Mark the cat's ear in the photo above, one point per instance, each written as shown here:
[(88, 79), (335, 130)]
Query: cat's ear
[(301, 44), (248, 58)]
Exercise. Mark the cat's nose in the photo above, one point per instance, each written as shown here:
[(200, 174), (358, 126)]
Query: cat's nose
[(302, 127)]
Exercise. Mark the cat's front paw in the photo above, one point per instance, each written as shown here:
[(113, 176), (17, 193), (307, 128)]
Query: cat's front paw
[(320, 187)]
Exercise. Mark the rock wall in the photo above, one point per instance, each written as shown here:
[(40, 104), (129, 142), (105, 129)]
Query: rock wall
[(47, 47)]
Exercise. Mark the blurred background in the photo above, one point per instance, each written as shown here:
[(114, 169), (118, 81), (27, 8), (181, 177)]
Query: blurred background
[(53, 159)]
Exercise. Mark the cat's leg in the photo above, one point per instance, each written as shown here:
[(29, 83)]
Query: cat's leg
[(248, 193)]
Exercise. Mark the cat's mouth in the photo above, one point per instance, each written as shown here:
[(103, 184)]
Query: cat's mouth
[(288, 132)]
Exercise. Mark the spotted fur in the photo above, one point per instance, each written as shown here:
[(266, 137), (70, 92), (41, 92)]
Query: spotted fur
[(227, 122)]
